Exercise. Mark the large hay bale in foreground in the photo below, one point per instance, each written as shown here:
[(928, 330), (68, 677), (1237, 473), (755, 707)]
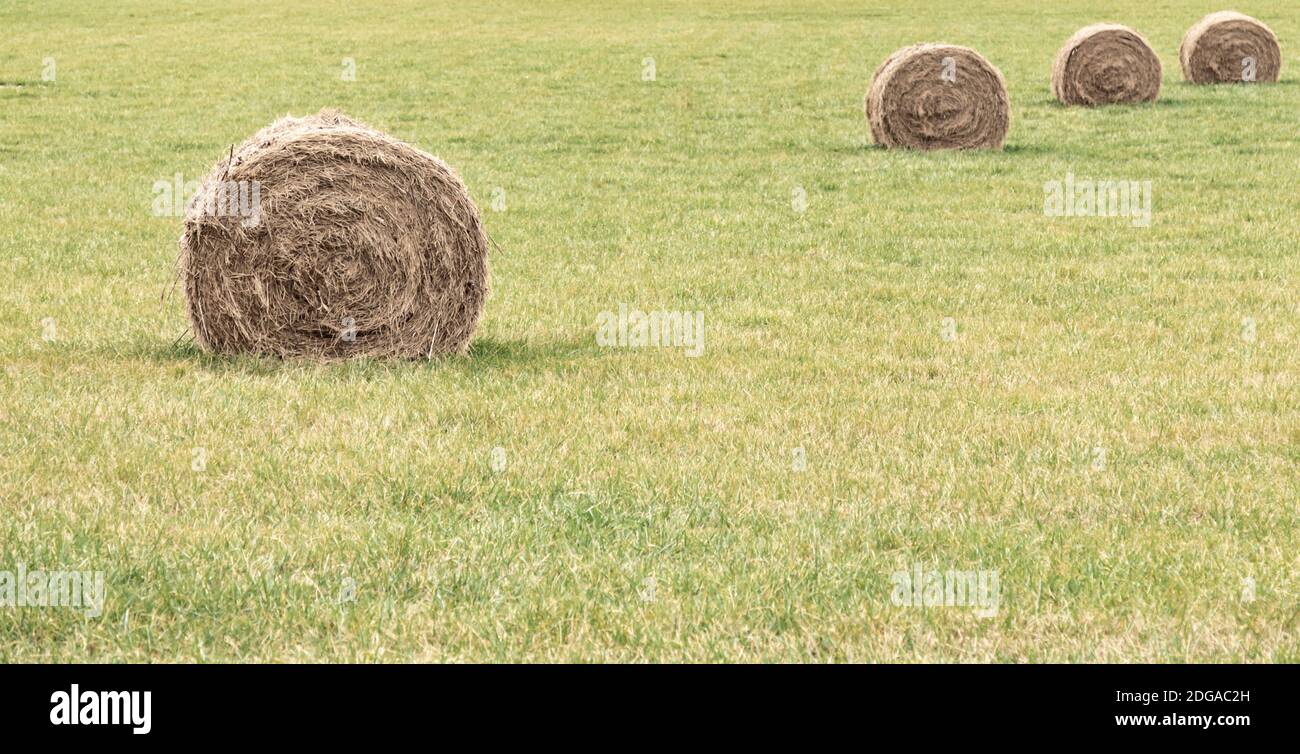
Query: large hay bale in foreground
[(1106, 64), (938, 96), (1229, 47), (357, 245)]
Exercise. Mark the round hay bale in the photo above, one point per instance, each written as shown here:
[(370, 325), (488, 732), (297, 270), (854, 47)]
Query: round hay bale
[(357, 245), (1106, 64), (1229, 47), (938, 96)]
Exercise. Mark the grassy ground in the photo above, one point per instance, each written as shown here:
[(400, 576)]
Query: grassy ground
[(1109, 422)]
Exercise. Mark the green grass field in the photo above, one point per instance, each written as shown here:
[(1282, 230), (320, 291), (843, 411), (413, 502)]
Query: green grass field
[(1107, 417)]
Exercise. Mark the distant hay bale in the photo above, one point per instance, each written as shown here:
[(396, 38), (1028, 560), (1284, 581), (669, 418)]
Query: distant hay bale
[(353, 244), (1228, 47), (1106, 64), (938, 96)]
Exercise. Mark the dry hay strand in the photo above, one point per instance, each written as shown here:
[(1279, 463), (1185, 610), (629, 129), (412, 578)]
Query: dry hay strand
[(359, 245), (1106, 64), (938, 96), (1229, 47)]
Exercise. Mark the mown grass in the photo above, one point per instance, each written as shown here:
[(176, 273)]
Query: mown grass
[(1106, 431)]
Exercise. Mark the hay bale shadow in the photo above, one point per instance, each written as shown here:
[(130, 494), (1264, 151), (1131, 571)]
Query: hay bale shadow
[(484, 354), (494, 353), (1029, 149)]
